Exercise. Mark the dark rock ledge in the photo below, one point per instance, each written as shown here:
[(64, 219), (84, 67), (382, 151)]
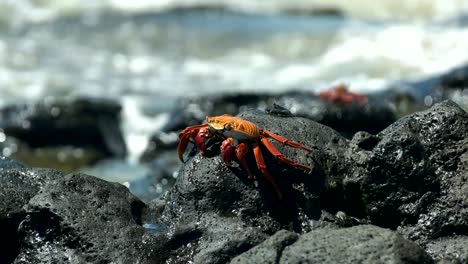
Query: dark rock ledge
[(396, 197), (358, 244), (49, 217)]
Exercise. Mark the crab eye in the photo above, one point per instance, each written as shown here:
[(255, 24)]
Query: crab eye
[(227, 126)]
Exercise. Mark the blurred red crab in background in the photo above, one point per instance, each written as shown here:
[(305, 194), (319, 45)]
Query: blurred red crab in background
[(340, 95)]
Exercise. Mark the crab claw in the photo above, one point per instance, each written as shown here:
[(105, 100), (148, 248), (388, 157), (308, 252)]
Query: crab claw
[(185, 136), (184, 140), (228, 150), (202, 134)]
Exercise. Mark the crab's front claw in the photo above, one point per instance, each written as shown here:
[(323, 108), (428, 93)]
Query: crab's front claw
[(185, 136), (200, 138), (228, 150), (184, 140)]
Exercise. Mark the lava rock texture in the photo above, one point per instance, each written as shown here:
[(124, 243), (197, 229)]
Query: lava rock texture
[(358, 244)]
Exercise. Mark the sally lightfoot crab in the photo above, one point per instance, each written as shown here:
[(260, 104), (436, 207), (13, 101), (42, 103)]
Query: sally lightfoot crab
[(341, 95), (238, 136)]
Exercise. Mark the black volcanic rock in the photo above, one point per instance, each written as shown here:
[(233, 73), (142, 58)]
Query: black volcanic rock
[(359, 244), (410, 174), (416, 175), (451, 249), (82, 218), (269, 251), (49, 217), (230, 214), (19, 184), (444, 133)]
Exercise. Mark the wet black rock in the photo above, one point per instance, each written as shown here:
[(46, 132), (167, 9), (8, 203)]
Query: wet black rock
[(359, 244), (81, 122), (415, 175), (410, 177), (270, 250), (400, 179), (444, 134), (19, 185), (49, 217), (230, 213), (82, 218), (453, 249)]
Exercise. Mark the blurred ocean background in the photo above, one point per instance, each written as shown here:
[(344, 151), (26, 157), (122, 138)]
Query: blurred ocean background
[(147, 54)]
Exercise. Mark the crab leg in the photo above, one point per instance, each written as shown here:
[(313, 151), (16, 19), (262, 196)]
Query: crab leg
[(284, 141), (227, 150), (241, 151), (278, 155), (263, 169)]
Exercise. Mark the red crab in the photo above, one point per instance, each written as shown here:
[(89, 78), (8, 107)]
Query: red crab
[(238, 137), (340, 95)]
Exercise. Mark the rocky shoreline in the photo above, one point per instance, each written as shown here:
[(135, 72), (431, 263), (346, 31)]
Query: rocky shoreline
[(399, 196)]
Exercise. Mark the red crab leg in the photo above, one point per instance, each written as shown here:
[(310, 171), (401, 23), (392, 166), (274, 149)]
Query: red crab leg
[(278, 155), (185, 136), (241, 151), (263, 169), (227, 150), (284, 141)]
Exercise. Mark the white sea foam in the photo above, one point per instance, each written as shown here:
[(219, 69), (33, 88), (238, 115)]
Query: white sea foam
[(138, 127), (395, 52), (354, 54)]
